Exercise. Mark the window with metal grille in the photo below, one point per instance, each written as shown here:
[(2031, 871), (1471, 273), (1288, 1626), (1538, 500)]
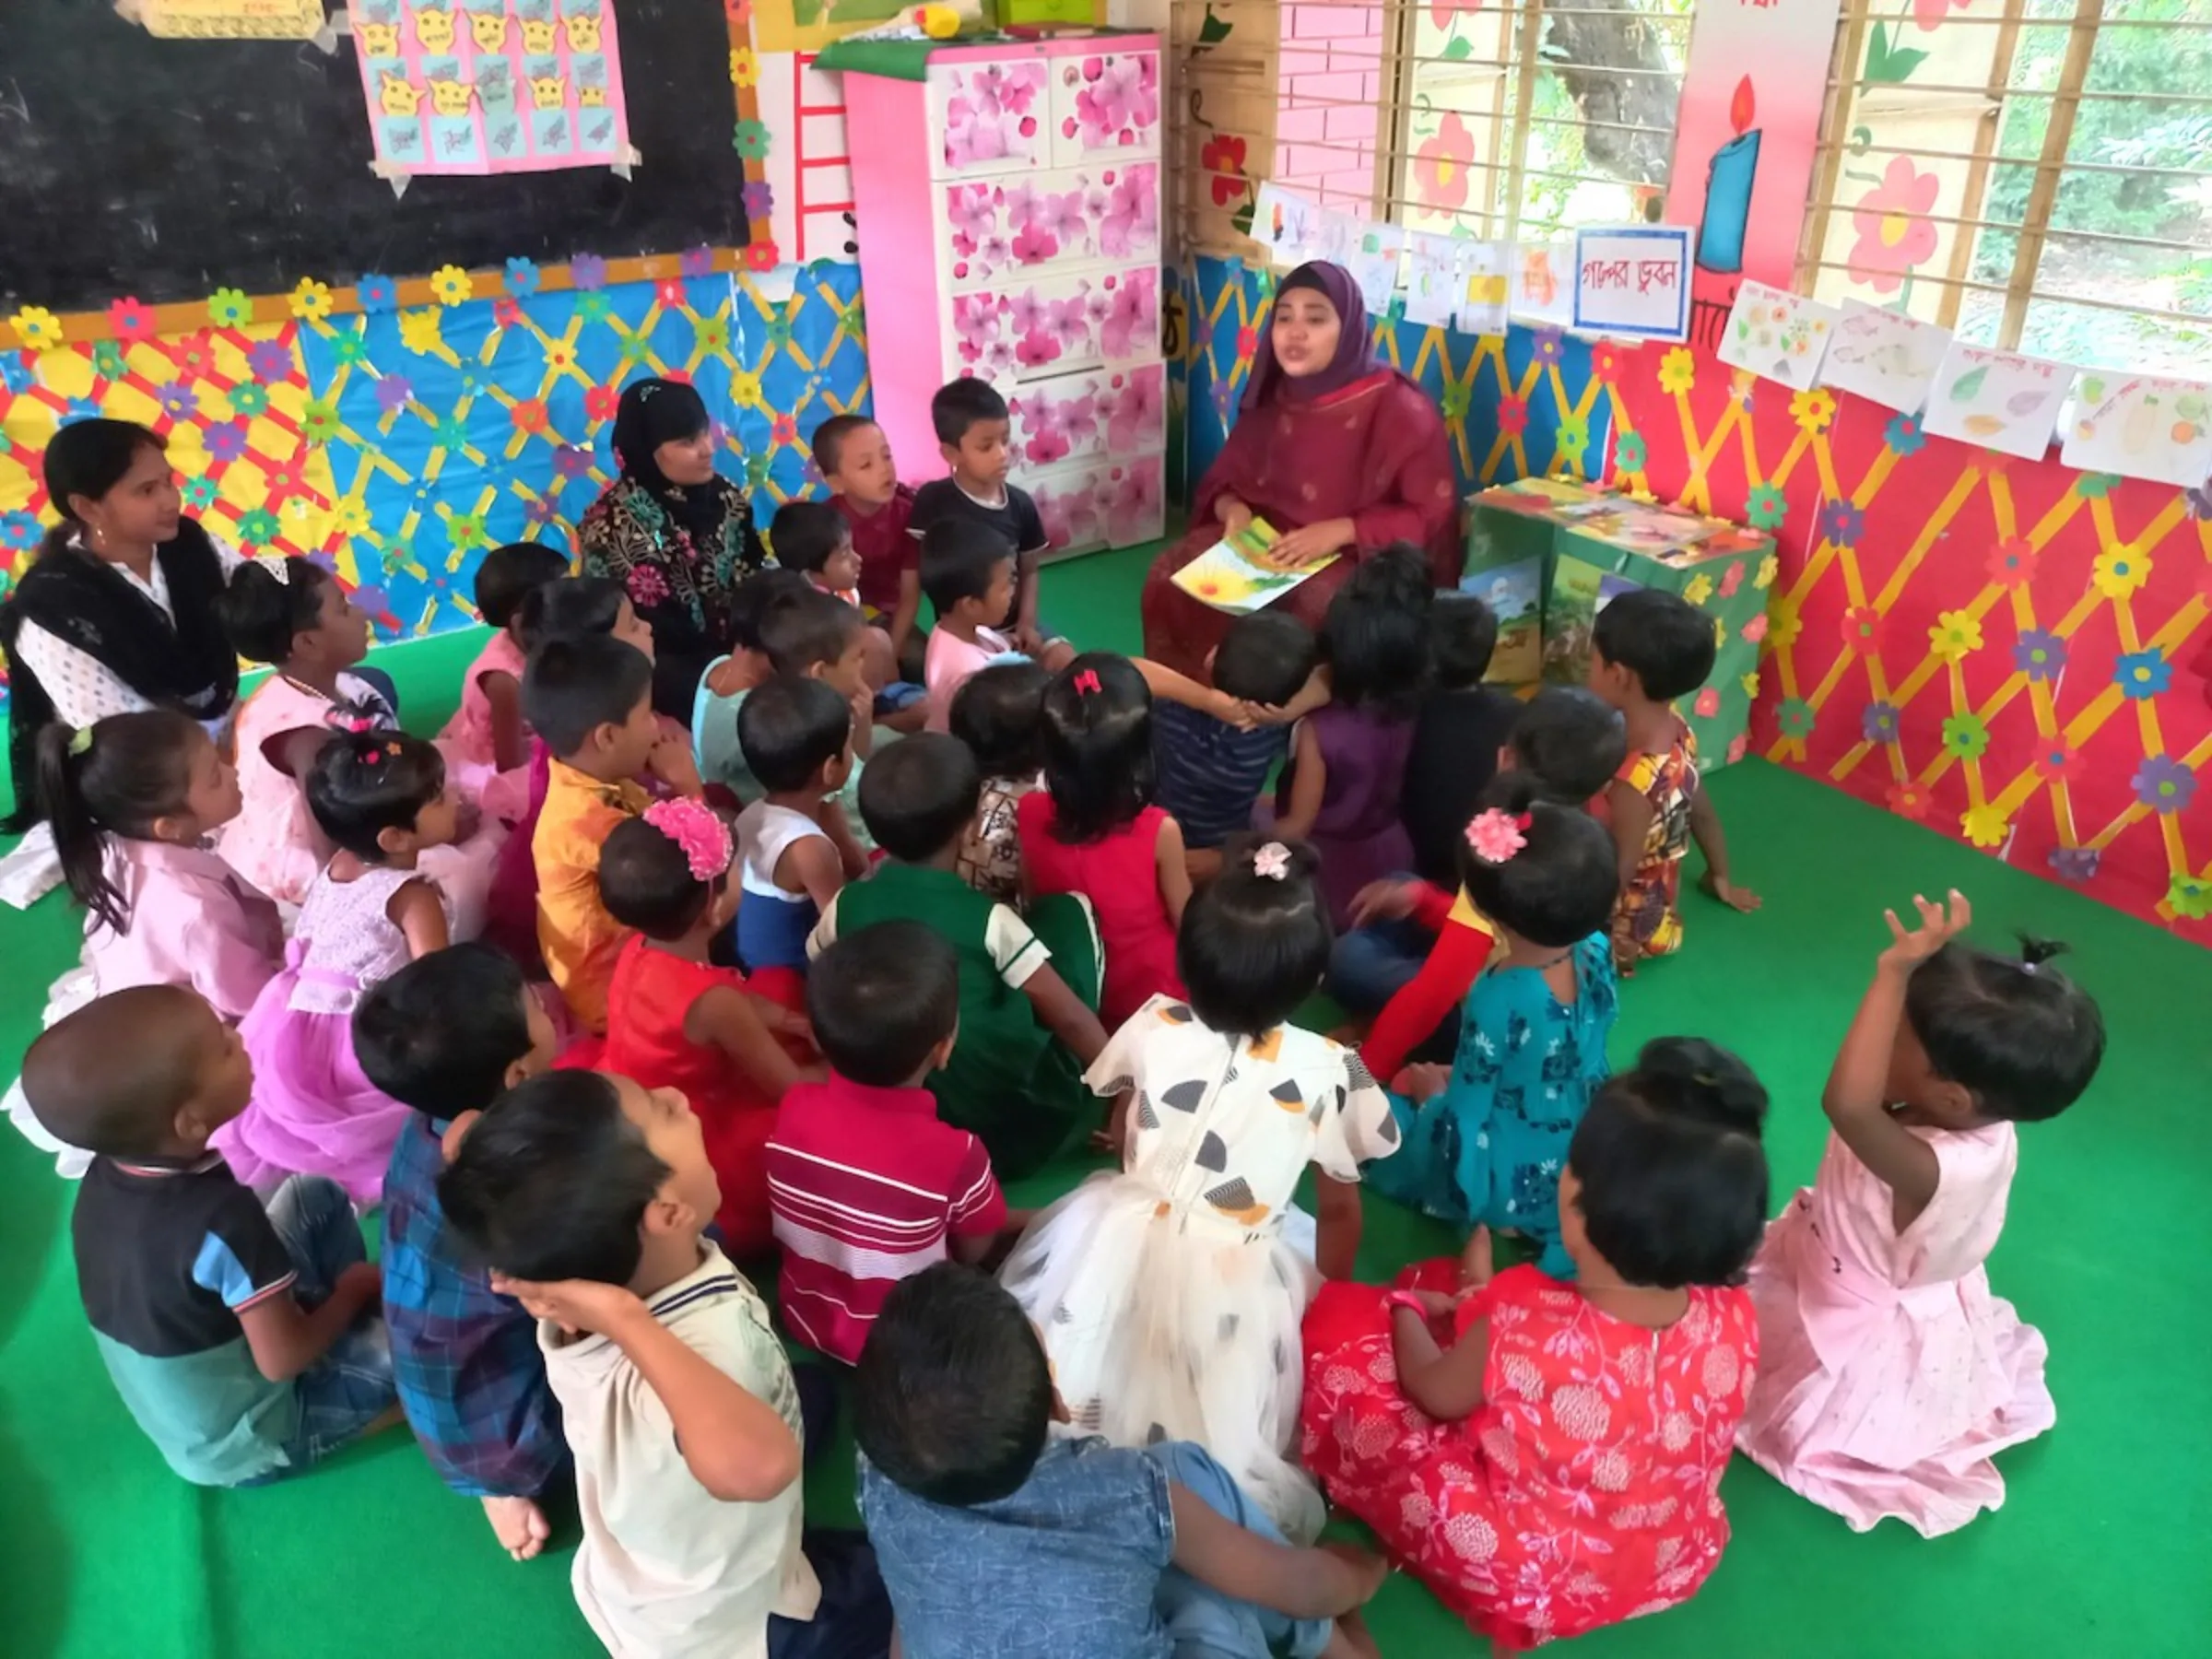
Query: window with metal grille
[(1457, 117), (2033, 174)]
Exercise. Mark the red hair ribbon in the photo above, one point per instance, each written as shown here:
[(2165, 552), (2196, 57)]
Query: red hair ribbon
[(1087, 682)]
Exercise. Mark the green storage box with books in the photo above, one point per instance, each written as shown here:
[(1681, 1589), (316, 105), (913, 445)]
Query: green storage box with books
[(1578, 547)]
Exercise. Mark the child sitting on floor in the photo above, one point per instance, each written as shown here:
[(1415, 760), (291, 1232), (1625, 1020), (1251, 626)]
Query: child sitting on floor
[(968, 572), (1028, 986), (996, 1534), (588, 1196), (854, 459), (1348, 759), (676, 1022), (727, 681), (132, 801), (1168, 1295), (1211, 770), (1647, 648), (974, 431), (244, 1341), (302, 623), (1484, 1140), (1888, 1373), (1093, 829), (794, 851), (1417, 948), (1547, 1456), (1457, 735), (446, 1035), (867, 1186), (999, 714), (591, 702), (813, 538), (487, 732), (381, 799)]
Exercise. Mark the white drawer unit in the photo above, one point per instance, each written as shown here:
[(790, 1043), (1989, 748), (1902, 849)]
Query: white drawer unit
[(1009, 214)]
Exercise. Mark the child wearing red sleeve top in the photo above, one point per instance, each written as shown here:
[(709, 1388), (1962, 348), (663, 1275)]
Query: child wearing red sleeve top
[(854, 459), (1568, 739)]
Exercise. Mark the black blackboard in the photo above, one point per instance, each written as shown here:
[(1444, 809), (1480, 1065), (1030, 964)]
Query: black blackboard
[(167, 169)]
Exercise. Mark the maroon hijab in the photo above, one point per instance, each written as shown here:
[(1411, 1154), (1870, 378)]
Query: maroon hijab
[(1355, 351)]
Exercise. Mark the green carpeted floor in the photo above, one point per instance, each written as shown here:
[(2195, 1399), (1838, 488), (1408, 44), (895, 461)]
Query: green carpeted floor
[(103, 1553)]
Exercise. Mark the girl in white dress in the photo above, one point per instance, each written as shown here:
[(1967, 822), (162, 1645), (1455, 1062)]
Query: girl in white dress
[(1169, 1298)]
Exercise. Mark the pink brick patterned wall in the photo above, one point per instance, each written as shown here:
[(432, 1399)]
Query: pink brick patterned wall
[(1328, 126)]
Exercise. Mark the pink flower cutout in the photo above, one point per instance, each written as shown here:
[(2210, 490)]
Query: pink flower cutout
[(1033, 244), (1048, 437), (1065, 217), (1496, 836), (1070, 324), (1134, 512), (1732, 578), (1135, 416), (1135, 316), (1024, 202), (1131, 221), (1927, 13), (1079, 418), (1894, 234), (1444, 166), (1035, 348), (1708, 703)]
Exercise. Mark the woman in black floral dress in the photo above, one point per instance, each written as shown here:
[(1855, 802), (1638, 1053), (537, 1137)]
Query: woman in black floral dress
[(676, 535)]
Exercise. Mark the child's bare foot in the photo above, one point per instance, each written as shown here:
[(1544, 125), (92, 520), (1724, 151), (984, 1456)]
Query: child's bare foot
[(519, 1524), (1351, 1640), (1476, 1264)]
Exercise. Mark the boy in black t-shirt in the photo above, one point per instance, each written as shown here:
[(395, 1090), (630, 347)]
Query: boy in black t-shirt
[(974, 432), (246, 1342), (1462, 724)]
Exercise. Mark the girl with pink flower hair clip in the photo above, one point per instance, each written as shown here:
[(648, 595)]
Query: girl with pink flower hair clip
[(1486, 1138), (676, 1022)]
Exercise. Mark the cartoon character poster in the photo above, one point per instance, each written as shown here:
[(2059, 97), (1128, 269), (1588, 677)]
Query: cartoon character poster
[(495, 86)]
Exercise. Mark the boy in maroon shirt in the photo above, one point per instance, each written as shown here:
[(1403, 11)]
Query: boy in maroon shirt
[(854, 459)]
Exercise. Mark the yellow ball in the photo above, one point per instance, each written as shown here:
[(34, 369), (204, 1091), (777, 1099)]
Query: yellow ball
[(940, 22)]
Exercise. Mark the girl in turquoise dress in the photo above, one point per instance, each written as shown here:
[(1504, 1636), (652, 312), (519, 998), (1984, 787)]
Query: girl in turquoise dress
[(1485, 1142)]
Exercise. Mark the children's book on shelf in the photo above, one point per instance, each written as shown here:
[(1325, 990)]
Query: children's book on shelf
[(1229, 577), (1515, 594)]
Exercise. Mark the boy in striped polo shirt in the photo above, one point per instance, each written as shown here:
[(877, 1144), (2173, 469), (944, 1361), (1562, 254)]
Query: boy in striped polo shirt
[(866, 1185)]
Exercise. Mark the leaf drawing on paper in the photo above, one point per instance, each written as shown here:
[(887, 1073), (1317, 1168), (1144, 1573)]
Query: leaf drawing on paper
[(1968, 386), (1984, 426), (2024, 403)]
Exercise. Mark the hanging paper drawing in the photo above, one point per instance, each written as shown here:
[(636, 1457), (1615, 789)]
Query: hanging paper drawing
[(2142, 427), (1997, 399), (495, 86), (1884, 356), (1778, 335), (231, 20)]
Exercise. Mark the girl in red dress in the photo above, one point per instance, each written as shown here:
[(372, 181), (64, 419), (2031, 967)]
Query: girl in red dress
[(676, 1022), (1341, 454), (1094, 830), (1547, 1456)]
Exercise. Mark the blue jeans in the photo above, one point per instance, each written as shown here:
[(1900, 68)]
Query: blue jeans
[(853, 1620), (1370, 965), (351, 1385), (1202, 1622)]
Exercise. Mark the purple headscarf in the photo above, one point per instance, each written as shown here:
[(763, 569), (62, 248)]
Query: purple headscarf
[(1354, 352)]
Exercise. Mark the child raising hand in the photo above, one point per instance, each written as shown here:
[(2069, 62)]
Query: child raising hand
[(1888, 1373)]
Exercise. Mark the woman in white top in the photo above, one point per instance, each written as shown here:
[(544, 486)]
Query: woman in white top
[(117, 613)]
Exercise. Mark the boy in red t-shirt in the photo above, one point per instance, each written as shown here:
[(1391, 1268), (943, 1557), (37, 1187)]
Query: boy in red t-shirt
[(854, 459)]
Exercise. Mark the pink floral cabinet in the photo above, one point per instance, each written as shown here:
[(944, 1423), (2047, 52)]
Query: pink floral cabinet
[(1009, 214)]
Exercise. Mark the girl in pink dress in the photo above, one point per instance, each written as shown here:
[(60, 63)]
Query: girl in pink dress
[(381, 798), (1094, 830), (132, 801), (1890, 1374), (487, 732), (1547, 1456), (304, 625)]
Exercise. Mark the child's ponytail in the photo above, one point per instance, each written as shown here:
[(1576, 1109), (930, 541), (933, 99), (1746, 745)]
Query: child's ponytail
[(265, 605), (1097, 746), (118, 777), (2015, 1031)]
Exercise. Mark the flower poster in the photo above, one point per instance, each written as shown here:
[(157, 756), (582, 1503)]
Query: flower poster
[(1997, 399), (1777, 334), (524, 85), (2141, 427), (1884, 356)]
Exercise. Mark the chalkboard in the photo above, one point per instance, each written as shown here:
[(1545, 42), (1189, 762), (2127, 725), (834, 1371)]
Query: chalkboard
[(167, 169)]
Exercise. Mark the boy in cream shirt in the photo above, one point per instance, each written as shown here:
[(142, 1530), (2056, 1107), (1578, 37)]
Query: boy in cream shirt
[(588, 1194)]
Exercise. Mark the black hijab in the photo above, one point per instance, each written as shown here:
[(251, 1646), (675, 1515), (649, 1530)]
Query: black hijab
[(654, 412), (86, 601)]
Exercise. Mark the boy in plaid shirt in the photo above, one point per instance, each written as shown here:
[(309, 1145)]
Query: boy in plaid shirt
[(448, 1034)]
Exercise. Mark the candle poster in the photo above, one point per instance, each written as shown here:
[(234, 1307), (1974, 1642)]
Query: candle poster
[(1744, 136), (1997, 399), (1634, 280), (525, 87), (2141, 427), (1778, 335), (1884, 356)]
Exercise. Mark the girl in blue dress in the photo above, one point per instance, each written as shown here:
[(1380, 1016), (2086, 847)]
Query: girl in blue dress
[(1484, 1143)]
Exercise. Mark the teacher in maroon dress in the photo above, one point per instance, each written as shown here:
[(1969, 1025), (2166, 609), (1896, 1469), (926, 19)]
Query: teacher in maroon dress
[(1340, 454)]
